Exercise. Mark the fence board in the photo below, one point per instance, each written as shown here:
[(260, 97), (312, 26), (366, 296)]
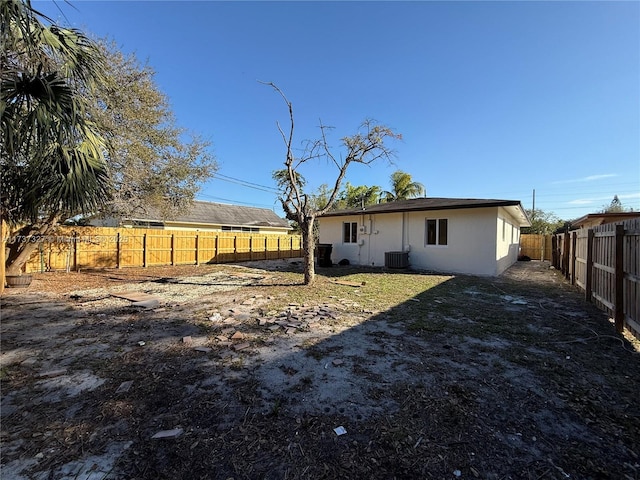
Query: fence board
[(73, 248), (536, 246), (605, 262)]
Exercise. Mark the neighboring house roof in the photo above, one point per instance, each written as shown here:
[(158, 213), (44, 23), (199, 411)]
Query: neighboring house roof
[(425, 204), (218, 214), (594, 219)]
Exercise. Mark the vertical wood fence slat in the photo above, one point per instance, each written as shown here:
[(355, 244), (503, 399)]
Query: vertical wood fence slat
[(197, 249), (619, 278), (589, 267), (605, 262), (574, 241), (173, 249), (144, 251), (118, 262), (565, 253)]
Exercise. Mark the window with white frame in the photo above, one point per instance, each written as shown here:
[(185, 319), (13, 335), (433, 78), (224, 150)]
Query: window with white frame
[(350, 232), (436, 231)]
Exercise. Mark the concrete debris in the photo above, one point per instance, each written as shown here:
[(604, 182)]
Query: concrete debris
[(125, 386), (146, 303), (52, 373), (168, 434)]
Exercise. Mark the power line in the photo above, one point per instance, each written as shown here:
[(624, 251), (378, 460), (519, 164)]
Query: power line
[(204, 195), (245, 183)]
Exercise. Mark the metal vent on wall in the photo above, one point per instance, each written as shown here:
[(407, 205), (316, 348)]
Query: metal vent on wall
[(396, 259)]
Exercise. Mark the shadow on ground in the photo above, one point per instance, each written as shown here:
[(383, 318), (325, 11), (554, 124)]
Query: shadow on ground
[(509, 377)]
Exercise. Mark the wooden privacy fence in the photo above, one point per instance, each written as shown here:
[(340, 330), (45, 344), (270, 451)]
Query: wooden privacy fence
[(73, 248), (604, 261), (536, 246)]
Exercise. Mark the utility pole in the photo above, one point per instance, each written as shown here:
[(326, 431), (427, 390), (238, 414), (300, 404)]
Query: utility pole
[(533, 209)]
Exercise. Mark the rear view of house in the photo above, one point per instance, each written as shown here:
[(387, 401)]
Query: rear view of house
[(472, 236)]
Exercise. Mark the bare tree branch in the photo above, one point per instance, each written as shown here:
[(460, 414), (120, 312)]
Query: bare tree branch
[(365, 147)]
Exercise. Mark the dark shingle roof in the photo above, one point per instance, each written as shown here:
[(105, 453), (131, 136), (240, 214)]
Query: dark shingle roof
[(603, 218), (219, 214), (424, 204)]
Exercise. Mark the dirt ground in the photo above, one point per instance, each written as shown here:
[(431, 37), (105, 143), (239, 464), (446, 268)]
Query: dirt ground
[(240, 372)]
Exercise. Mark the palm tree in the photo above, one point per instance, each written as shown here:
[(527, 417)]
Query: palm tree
[(51, 154), (359, 196), (403, 187)]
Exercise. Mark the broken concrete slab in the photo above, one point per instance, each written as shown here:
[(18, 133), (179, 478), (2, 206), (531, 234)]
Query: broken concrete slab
[(151, 303), (52, 373), (168, 434), (125, 386), (134, 296)]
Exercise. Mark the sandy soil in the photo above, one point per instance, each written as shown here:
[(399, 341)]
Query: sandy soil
[(514, 377)]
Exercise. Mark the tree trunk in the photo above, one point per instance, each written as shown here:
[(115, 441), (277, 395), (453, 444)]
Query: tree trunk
[(308, 247), (22, 246), (3, 246)]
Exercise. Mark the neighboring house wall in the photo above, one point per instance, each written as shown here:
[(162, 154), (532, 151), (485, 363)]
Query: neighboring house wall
[(169, 225), (482, 241), (595, 219)]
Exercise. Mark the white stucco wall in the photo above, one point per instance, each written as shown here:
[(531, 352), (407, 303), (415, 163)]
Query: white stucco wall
[(507, 241), (471, 243), (475, 244)]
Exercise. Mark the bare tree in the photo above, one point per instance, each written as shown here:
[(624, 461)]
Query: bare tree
[(364, 147)]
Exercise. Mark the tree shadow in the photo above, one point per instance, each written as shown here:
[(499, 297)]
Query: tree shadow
[(490, 377)]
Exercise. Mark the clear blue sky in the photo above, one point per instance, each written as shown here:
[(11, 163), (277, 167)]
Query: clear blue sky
[(493, 99)]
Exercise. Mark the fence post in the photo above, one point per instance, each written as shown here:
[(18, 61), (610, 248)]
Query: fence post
[(251, 247), (619, 268), (172, 252), (144, 250), (565, 255), (235, 248), (197, 250), (118, 250), (75, 251), (589, 266), (574, 242), (215, 248)]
